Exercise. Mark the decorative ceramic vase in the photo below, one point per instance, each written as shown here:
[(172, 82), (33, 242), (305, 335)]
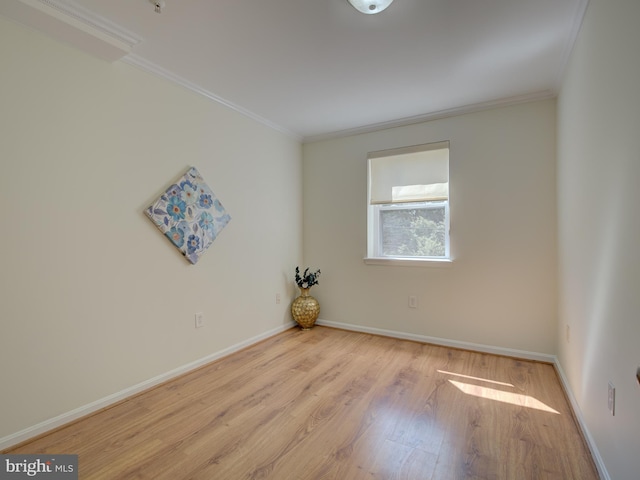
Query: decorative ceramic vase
[(305, 309)]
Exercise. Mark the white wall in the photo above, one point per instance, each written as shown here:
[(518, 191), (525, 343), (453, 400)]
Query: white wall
[(599, 228), (93, 299), (501, 288)]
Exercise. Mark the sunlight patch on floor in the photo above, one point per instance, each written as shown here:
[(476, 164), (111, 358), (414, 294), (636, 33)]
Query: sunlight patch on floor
[(502, 396), (475, 378)]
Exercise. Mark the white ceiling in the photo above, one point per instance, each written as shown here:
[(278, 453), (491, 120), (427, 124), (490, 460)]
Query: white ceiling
[(319, 68)]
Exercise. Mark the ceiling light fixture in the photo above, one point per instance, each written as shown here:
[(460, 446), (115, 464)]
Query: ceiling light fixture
[(370, 6)]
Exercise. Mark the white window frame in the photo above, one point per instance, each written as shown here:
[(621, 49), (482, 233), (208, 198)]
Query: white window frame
[(374, 234)]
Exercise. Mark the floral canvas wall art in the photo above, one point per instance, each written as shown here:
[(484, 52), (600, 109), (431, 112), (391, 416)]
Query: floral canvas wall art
[(189, 214)]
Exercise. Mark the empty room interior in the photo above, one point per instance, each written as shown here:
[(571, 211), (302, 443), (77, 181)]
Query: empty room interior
[(502, 344)]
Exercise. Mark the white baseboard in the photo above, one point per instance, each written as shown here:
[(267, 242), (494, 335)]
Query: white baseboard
[(542, 357), (50, 424), (476, 347), (595, 453)]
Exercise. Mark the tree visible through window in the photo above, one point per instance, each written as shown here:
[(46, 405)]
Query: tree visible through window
[(418, 231)]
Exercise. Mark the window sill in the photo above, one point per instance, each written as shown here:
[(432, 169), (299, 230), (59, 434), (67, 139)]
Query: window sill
[(409, 262)]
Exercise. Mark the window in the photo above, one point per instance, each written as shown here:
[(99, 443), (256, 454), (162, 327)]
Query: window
[(408, 216)]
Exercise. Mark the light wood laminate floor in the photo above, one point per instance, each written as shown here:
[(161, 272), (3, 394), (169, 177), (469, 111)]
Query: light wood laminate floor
[(332, 404)]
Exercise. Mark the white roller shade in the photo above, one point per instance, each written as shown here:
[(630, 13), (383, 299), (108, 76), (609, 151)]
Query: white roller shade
[(413, 174)]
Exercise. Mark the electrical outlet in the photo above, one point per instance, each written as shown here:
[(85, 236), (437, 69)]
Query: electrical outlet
[(277, 298), (611, 402), (413, 301), (199, 320), (567, 333)]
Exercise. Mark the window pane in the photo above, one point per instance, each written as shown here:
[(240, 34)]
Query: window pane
[(413, 232)]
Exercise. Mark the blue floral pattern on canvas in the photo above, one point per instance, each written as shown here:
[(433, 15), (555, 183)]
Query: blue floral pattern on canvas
[(189, 214)]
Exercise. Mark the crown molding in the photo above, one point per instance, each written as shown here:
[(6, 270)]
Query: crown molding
[(70, 23), (578, 18), (150, 67), (92, 20), (451, 112)]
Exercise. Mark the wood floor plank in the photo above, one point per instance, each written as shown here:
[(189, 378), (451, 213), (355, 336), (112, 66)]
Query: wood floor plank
[(332, 404)]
